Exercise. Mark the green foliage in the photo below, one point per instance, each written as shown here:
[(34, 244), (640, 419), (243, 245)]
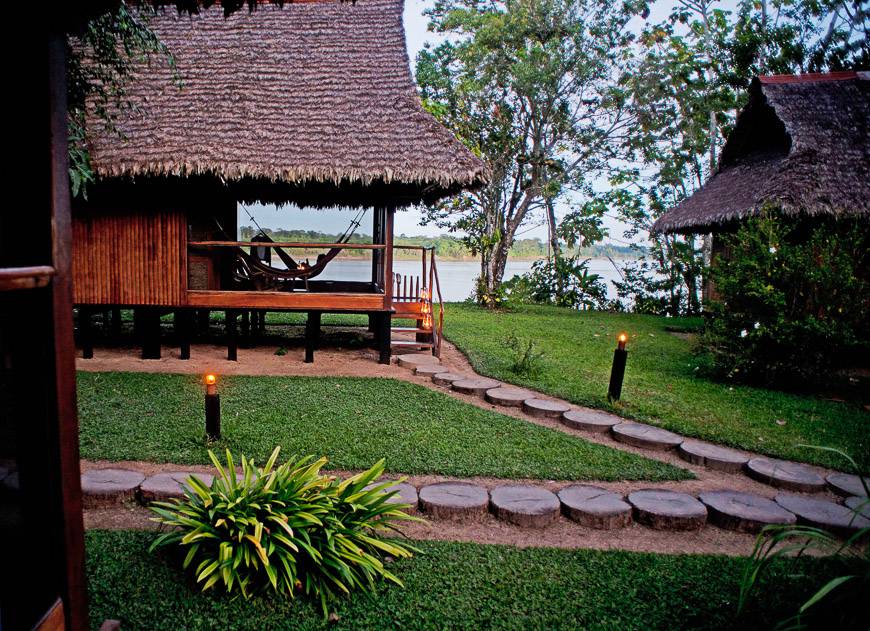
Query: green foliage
[(530, 87), (99, 64), (793, 301), (352, 421), (287, 529), (463, 586), (527, 359), (560, 281), (841, 601), (663, 383)]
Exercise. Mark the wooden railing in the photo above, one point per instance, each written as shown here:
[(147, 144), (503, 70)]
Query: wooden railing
[(424, 288)]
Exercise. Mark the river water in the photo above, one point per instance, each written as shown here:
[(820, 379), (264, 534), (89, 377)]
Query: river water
[(456, 277)]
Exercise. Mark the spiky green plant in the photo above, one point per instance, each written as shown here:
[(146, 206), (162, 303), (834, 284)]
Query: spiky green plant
[(287, 529), (845, 595)]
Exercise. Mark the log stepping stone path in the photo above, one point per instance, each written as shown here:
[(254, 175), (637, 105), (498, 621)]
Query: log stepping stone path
[(860, 505), (667, 510), (819, 513), (595, 507), (712, 456), (428, 370), (744, 512), (542, 408), (405, 494), (164, 486), (590, 420), (785, 475), (475, 386), (846, 484), (447, 378), (646, 436), (454, 500), (507, 397), (412, 360), (102, 487), (524, 505)]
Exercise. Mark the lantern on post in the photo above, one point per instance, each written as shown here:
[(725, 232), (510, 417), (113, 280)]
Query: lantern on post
[(212, 408), (617, 371)]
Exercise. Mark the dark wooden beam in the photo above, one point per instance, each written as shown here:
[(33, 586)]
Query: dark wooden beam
[(232, 335), (312, 335)]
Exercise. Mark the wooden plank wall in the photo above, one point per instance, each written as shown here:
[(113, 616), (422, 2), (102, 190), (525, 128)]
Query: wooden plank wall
[(130, 257)]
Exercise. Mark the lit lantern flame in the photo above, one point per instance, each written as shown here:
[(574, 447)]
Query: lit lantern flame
[(621, 340), (426, 308), (427, 321), (424, 294), (210, 384)]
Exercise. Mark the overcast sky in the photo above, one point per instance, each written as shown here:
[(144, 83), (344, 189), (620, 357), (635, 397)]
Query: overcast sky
[(408, 221)]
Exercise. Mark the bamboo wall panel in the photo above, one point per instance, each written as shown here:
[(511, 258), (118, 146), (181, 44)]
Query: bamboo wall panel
[(130, 258)]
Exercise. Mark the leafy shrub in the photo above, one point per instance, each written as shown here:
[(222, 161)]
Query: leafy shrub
[(793, 298), (526, 358), (841, 602), (286, 529), (563, 281)]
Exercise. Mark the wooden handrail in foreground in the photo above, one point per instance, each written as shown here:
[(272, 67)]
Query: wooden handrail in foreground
[(12, 278), (285, 244)]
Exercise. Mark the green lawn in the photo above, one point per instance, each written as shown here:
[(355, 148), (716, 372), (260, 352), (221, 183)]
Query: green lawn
[(461, 586), (661, 383), (353, 421)]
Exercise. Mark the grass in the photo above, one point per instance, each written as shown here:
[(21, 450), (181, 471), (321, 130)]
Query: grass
[(461, 586), (353, 421), (661, 384)]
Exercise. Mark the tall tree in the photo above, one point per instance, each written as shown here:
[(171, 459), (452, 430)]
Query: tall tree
[(530, 86)]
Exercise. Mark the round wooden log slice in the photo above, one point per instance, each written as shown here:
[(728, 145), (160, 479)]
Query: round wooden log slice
[(102, 487), (846, 484), (595, 507), (412, 360), (406, 494), (428, 370), (859, 504), (164, 486), (785, 475), (646, 436), (475, 386), (524, 505), (454, 500), (712, 456), (811, 511), (744, 512), (507, 397), (590, 420), (542, 408), (445, 378), (667, 510)]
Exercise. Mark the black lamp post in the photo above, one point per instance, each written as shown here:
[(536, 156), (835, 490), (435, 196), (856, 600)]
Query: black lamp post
[(212, 408), (617, 372)]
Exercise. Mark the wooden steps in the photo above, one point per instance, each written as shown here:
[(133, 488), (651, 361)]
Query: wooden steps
[(410, 337)]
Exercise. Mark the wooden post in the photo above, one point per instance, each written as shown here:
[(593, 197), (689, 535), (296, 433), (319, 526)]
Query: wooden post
[(202, 322), (246, 322), (150, 332), (182, 332), (232, 335), (384, 337), (115, 333), (85, 337), (312, 335)]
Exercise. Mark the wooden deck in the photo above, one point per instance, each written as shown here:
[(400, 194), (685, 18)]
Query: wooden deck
[(310, 301)]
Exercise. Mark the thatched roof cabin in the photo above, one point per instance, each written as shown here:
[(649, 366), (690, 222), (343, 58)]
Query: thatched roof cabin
[(311, 103), (800, 145)]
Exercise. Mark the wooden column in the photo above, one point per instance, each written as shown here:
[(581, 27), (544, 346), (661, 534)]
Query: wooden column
[(312, 335), (232, 335), (384, 337), (115, 327), (182, 332), (385, 323), (150, 332), (202, 322)]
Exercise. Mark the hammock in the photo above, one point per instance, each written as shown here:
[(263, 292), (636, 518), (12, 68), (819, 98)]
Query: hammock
[(264, 276)]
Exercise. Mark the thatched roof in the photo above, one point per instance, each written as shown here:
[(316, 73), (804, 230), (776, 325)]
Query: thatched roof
[(310, 102), (800, 145)]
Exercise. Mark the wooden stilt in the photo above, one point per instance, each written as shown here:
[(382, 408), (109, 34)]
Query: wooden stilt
[(246, 322), (115, 333), (384, 337), (202, 322), (182, 332), (312, 335), (85, 333), (150, 333), (232, 335)]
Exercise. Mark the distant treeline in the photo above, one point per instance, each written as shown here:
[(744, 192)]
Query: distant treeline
[(446, 247)]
